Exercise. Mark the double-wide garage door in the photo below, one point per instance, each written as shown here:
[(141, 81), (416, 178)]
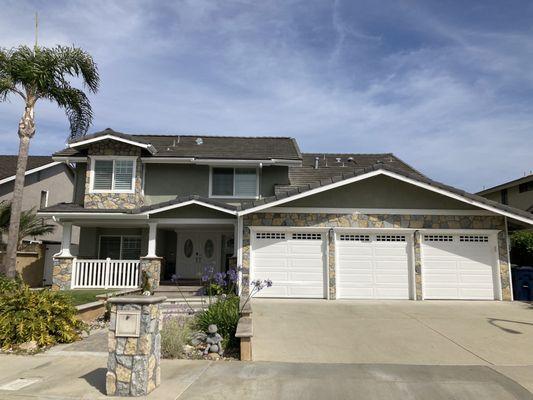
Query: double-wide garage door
[(373, 265)]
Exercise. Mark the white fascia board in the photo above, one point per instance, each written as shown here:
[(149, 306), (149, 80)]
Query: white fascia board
[(263, 228), (229, 162), (188, 203), (395, 211), (395, 176), (86, 215), (30, 171), (459, 231), (148, 147), (70, 159)]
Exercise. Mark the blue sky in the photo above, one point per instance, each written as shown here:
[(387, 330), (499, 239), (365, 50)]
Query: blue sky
[(445, 85)]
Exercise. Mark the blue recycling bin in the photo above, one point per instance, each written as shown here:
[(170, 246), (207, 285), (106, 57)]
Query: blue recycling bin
[(522, 283)]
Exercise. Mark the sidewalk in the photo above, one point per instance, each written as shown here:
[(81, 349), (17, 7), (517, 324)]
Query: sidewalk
[(82, 376)]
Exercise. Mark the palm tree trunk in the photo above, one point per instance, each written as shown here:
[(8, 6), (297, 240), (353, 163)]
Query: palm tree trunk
[(26, 132)]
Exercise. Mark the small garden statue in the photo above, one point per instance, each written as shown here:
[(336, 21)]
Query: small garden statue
[(213, 340)]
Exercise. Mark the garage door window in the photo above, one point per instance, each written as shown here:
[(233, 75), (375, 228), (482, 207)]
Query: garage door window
[(270, 235), (355, 238), (307, 236), (473, 238), (390, 238), (438, 238)]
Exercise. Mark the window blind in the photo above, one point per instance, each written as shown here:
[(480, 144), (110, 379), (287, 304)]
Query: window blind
[(123, 174), (245, 182), (222, 182), (103, 174)]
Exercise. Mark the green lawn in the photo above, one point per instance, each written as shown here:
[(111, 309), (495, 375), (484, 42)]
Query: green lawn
[(83, 296)]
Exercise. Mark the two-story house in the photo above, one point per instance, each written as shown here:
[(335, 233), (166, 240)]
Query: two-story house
[(517, 193), (46, 182), (336, 226)]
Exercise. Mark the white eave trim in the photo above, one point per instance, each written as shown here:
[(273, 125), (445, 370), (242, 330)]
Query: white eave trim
[(188, 203), (366, 211), (215, 161), (145, 146), (90, 215), (395, 176), (30, 171)]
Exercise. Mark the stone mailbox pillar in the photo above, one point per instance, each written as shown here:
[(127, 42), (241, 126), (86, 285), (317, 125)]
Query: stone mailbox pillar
[(134, 345)]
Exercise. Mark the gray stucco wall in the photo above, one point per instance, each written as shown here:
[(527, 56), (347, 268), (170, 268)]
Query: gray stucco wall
[(379, 192), (516, 199), (58, 181), (164, 182), (79, 182)]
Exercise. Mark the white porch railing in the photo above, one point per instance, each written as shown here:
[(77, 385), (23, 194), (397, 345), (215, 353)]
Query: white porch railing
[(104, 274)]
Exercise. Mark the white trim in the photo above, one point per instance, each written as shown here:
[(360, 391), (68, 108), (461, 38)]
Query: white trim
[(350, 229), (67, 159), (239, 239), (194, 221), (112, 158), (289, 228), (152, 238), (508, 242), (392, 175), (91, 215), (459, 231), (193, 160), (187, 203), (148, 147), (66, 240), (395, 211), (234, 196), (30, 171)]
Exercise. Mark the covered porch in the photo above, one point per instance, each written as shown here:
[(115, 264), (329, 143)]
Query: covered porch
[(168, 247)]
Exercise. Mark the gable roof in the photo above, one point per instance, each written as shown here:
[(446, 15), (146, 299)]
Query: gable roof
[(514, 182), (186, 146), (8, 166)]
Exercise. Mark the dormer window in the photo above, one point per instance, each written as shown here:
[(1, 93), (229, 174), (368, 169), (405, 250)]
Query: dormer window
[(113, 174), (234, 182)]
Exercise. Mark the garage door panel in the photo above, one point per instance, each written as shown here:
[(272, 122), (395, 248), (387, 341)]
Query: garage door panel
[(462, 267), (372, 268), (295, 266)]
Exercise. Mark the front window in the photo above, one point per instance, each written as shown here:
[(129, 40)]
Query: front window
[(113, 175), (234, 182), (120, 247)]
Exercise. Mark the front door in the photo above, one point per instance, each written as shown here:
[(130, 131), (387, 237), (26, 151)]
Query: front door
[(195, 252)]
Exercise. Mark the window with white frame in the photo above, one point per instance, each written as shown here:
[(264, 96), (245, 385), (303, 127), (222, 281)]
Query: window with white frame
[(113, 175), (120, 247), (43, 201), (233, 182)]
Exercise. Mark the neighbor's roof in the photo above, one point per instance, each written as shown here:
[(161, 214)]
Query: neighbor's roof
[(211, 147), (8, 164), (514, 182)]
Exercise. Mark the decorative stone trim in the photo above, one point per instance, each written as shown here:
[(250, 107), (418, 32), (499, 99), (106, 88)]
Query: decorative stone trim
[(133, 365), (418, 264), (62, 273), (377, 221), (152, 266), (331, 266), (114, 200)]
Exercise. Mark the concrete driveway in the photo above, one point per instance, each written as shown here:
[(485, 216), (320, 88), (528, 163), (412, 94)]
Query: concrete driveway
[(393, 332)]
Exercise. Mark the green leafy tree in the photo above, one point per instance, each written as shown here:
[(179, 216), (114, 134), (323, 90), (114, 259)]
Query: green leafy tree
[(30, 223), (522, 248), (43, 74)]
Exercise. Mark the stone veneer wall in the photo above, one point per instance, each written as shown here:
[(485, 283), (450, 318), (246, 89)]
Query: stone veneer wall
[(114, 200), (378, 221), (152, 266), (62, 273), (133, 364)]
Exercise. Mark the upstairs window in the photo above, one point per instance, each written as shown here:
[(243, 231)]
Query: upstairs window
[(113, 175), (504, 196), (525, 187), (43, 201), (234, 182)]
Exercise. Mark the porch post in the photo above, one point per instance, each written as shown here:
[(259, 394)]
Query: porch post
[(63, 261), (152, 234), (65, 241)]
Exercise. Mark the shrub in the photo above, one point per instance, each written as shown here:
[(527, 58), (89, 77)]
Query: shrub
[(225, 315), (8, 284), (522, 248), (43, 316), (175, 334)]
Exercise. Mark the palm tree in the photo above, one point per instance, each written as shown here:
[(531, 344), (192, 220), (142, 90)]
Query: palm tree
[(30, 224), (35, 74)]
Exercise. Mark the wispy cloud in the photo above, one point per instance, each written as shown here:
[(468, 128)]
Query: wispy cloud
[(449, 94)]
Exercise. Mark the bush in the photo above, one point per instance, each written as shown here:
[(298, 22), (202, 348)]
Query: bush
[(522, 248), (175, 334), (225, 315), (8, 284), (43, 316)]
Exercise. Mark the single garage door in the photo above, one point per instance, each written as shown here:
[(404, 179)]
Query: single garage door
[(372, 266), (458, 266), (294, 261)]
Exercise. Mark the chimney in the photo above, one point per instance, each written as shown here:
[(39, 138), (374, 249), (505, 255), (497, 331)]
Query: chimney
[(316, 162)]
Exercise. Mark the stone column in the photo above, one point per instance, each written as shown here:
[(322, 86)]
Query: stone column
[(152, 267), (418, 265), (332, 281), (134, 345), (62, 272)]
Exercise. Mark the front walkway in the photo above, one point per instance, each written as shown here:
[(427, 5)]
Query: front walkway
[(396, 332)]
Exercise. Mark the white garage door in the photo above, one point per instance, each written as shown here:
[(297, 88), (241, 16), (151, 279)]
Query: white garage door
[(458, 266), (372, 266), (294, 261)]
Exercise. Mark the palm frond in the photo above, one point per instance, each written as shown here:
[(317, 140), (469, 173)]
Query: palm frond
[(77, 107), (30, 223), (76, 62)]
